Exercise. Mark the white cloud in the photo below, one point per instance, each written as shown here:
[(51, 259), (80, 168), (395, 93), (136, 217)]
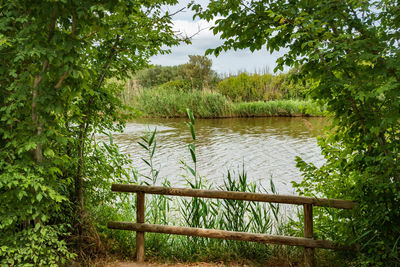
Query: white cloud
[(198, 29), (226, 62)]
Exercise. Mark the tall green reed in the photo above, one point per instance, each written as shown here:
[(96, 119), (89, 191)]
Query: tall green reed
[(197, 212), (172, 103), (159, 205), (234, 211), (232, 215), (277, 108)]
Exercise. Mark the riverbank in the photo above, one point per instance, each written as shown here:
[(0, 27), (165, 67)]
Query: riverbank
[(207, 104)]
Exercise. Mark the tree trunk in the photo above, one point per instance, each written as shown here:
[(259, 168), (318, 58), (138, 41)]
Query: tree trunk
[(79, 178), (38, 155)]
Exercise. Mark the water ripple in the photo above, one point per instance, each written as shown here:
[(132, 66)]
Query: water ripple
[(267, 147)]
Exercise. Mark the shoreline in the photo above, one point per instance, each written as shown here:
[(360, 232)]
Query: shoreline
[(236, 116)]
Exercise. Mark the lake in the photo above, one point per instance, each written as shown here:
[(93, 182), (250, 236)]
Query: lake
[(266, 147)]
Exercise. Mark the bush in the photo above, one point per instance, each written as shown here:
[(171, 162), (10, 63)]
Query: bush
[(176, 85), (265, 87), (40, 245)]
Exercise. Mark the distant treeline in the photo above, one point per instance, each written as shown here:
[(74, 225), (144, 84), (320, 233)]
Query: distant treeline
[(197, 74), (167, 91)]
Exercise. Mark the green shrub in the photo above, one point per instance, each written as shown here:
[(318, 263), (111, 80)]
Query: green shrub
[(40, 245), (177, 85), (245, 87)]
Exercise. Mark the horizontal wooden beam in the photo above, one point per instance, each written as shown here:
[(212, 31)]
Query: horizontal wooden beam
[(248, 196), (227, 235)]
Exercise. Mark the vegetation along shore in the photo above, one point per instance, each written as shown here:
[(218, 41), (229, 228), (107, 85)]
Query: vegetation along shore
[(64, 66), (167, 91)]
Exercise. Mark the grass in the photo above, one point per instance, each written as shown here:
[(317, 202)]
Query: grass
[(207, 104)]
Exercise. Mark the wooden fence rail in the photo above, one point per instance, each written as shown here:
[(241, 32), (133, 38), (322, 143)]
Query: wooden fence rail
[(307, 241)]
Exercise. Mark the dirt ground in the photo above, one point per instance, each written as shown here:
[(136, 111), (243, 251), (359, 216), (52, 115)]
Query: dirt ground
[(199, 264)]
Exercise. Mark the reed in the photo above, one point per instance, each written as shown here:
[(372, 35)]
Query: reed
[(277, 108), (171, 103), (206, 104)]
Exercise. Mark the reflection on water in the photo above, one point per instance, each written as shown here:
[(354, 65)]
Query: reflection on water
[(266, 146)]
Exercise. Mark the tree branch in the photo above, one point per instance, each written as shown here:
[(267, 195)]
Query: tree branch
[(60, 81), (108, 62)]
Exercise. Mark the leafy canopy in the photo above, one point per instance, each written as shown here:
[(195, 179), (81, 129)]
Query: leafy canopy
[(352, 49), (55, 59)]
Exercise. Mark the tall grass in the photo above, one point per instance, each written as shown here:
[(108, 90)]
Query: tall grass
[(205, 104), (277, 108), (171, 103)]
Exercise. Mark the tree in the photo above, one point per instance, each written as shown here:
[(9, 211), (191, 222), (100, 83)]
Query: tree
[(55, 59), (351, 48), (158, 75), (198, 71)]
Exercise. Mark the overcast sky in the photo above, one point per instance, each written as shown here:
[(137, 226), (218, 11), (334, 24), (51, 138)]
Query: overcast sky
[(226, 62)]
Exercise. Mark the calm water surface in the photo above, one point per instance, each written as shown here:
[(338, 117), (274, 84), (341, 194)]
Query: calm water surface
[(266, 147)]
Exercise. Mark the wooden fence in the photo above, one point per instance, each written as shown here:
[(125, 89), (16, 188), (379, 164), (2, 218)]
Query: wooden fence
[(307, 241)]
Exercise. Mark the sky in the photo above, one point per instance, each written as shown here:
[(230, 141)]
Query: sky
[(227, 62)]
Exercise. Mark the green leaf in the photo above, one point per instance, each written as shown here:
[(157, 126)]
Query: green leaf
[(152, 137), (192, 132), (190, 115), (147, 163), (154, 149), (191, 170), (143, 145), (49, 153), (192, 152)]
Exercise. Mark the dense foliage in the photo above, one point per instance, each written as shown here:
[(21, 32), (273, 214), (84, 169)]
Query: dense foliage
[(158, 75), (55, 58), (352, 49), (245, 87), (197, 73)]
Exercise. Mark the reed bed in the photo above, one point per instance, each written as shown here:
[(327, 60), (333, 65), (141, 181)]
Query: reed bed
[(287, 108), (171, 103), (208, 104)]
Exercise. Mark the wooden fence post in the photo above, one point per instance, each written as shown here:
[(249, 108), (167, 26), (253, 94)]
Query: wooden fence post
[(307, 241), (140, 219), (308, 233)]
